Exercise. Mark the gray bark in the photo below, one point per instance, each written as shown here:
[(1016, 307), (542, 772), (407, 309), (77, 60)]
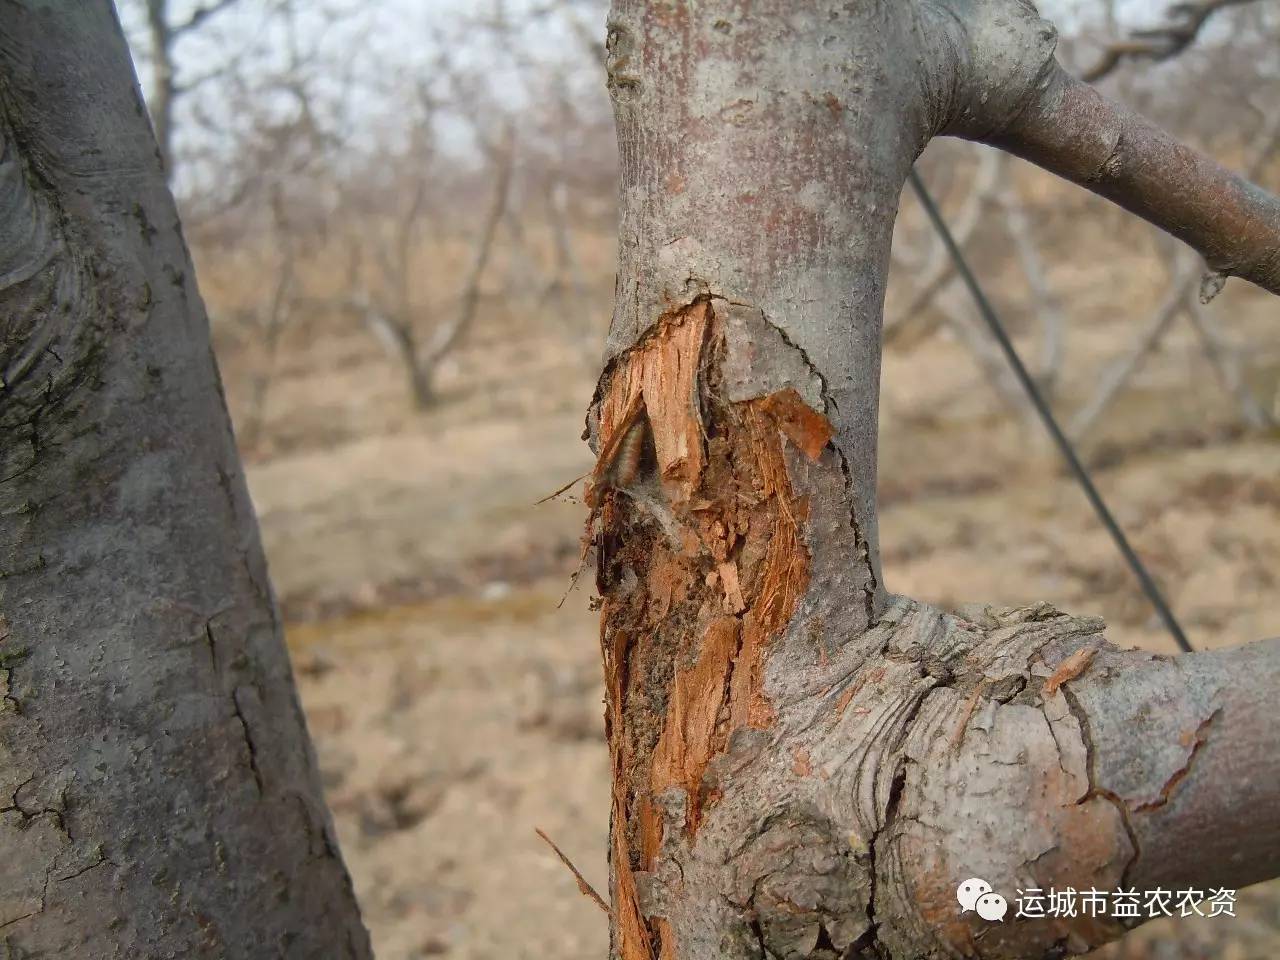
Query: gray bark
[(158, 792), (803, 764)]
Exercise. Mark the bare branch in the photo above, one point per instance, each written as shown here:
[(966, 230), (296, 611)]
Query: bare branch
[(1073, 131), (585, 888), (199, 80), (199, 16), (273, 323), (993, 371), (396, 334), (917, 321), (1049, 304), (1226, 364), (1159, 43), (1182, 297), (1167, 768), (448, 336), (1118, 374), (940, 269)]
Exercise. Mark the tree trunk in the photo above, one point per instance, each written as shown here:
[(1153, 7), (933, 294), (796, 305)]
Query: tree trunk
[(159, 793), (804, 765)]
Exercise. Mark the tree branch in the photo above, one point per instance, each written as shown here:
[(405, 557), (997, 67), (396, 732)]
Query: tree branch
[(448, 336), (1168, 767), (1073, 131), (1182, 297), (1159, 43), (199, 16)]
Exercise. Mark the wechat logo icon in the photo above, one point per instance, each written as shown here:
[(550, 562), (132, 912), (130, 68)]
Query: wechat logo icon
[(975, 894)]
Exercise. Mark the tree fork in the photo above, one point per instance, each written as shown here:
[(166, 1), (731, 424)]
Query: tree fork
[(803, 764)]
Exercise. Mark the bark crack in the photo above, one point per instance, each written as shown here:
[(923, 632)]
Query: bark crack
[(871, 585), (29, 814), (102, 859), (25, 916), (8, 660), (892, 807), (44, 902), (1171, 784), (212, 644), (250, 747), (1097, 790)]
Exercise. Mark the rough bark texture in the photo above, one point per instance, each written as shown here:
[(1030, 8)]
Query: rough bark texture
[(158, 794), (805, 766)]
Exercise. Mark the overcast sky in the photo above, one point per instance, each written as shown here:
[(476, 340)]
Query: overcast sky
[(368, 53)]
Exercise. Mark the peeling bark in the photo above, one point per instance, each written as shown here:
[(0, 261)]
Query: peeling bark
[(804, 765), (708, 512)]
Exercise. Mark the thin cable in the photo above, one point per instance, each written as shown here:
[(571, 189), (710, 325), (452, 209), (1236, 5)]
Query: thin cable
[(1068, 452)]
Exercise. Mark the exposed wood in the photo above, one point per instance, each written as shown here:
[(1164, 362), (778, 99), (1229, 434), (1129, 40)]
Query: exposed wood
[(1069, 669), (714, 535), (810, 771)]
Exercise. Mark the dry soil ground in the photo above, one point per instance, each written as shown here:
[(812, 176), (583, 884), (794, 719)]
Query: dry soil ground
[(456, 707)]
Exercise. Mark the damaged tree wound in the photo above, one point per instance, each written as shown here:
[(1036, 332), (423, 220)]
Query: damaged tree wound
[(781, 792), (828, 814), (702, 565), (803, 765), (787, 819)]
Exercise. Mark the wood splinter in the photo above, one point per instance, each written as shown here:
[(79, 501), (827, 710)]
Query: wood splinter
[(1069, 669), (586, 889)]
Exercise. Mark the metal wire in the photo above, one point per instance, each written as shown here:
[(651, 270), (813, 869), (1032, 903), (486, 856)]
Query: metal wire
[(1149, 586)]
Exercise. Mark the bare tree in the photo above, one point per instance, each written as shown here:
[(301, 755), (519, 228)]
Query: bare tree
[(555, 123), (165, 33), (158, 791), (803, 764), (388, 309), (271, 320)]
